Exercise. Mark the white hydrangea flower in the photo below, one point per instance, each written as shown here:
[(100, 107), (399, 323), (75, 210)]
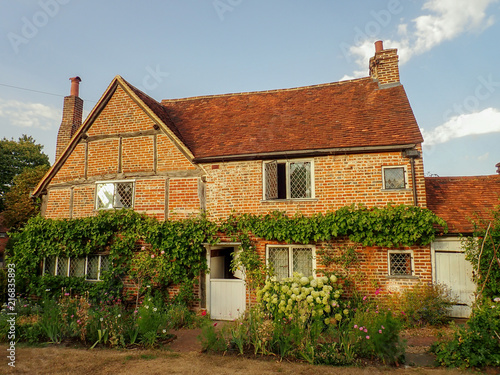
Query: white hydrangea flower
[(333, 279), (304, 280)]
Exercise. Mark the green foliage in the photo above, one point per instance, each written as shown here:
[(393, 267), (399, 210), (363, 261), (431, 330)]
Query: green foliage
[(15, 156), (19, 206), (483, 251), (388, 227), (478, 343), (422, 304)]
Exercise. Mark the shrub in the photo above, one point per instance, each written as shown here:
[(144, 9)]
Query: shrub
[(422, 304), (478, 343)]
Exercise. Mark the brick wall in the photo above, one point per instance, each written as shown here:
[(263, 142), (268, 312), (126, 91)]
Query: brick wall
[(340, 180)]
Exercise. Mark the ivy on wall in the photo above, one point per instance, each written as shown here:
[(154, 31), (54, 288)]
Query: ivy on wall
[(175, 249)]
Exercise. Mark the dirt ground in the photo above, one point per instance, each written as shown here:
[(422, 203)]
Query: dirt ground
[(183, 356)]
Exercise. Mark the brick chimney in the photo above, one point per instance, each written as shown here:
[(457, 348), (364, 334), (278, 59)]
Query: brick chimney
[(71, 118), (384, 65)]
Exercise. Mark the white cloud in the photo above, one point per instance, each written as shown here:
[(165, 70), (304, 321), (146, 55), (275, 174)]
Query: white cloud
[(29, 115), (484, 122), (445, 20)]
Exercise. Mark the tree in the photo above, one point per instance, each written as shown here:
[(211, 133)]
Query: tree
[(15, 156), (19, 206)]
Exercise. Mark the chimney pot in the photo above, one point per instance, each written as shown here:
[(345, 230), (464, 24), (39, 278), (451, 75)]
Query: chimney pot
[(75, 86), (379, 46)]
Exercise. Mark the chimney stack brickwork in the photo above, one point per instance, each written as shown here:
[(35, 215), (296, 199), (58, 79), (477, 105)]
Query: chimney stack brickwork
[(71, 118), (384, 65)]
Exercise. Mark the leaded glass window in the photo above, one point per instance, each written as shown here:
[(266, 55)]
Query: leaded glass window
[(288, 180), (394, 178), (285, 260), (400, 264), (114, 195)]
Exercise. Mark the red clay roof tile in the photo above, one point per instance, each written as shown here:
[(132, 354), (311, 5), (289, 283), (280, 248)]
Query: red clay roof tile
[(346, 114), (458, 200)]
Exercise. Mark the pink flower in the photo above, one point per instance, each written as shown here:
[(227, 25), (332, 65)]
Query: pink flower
[(368, 337), (360, 328), (364, 298), (203, 313), (72, 316), (143, 248), (377, 292), (383, 327), (215, 324), (366, 331), (162, 252), (355, 326), (152, 256), (379, 331), (403, 313), (66, 294)]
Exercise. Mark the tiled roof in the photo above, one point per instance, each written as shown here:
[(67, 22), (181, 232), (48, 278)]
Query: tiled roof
[(458, 200), (344, 114)]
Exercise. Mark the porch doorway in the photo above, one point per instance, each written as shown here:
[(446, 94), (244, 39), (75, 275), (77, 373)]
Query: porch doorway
[(226, 290)]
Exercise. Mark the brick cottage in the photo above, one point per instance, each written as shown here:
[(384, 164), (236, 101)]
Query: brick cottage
[(308, 149)]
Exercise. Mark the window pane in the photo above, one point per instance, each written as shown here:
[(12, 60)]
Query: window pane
[(50, 265), (124, 194), (104, 265), (62, 266), (271, 176), (394, 178), (300, 180), (92, 267), (77, 267), (400, 264), (302, 261), (278, 260), (105, 194)]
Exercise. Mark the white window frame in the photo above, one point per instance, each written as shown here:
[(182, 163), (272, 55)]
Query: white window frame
[(69, 267), (389, 252), (405, 176), (290, 256), (288, 185), (114, 182)]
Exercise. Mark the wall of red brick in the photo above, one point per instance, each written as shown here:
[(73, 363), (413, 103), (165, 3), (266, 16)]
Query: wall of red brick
[(340, 180)]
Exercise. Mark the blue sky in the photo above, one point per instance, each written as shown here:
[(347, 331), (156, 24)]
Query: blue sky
[(449, 59)]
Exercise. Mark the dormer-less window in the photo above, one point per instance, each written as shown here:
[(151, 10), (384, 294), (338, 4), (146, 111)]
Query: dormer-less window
[(288, 179), (394, 178), (114, 194)]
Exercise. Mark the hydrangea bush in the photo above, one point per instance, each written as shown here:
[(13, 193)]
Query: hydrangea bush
[(305, 297)]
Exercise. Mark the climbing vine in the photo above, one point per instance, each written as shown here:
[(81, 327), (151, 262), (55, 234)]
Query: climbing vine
[(175, 248)]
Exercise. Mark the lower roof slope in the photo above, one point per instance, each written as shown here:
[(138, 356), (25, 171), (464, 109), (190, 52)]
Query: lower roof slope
[(458, 200)]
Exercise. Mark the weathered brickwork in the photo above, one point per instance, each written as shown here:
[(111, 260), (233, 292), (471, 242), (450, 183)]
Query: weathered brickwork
[(183, 199), (137, 154), (103, 157), (169, 156), (121, 115), (83, 201), (150, 197), (58, 203), (74, 167), (340, 180)]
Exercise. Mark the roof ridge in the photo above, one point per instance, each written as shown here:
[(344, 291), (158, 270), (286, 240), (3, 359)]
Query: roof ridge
[(463, 177), (265, 91)]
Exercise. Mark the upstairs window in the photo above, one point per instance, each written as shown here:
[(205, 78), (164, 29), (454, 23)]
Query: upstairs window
[(394, 178), (114, 194), (288, 180)]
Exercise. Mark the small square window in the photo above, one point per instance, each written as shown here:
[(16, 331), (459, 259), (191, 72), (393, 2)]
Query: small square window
[(400, 263), (111, 195), (394, 178)]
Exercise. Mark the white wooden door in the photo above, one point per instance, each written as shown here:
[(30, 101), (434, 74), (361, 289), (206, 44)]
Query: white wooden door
[(452, 269), (227, 299), (226, 289)]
